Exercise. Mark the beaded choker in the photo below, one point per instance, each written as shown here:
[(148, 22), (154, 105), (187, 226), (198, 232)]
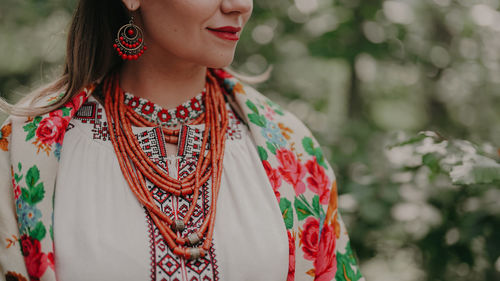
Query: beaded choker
[(137, 167), (185, 112)]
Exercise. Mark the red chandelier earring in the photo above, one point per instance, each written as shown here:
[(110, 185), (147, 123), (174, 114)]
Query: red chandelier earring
[(129, 43)]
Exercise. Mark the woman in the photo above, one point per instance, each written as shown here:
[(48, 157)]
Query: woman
[(170, 168)]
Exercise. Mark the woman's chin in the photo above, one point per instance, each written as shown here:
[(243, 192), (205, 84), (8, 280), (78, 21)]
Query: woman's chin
[(220, 63), (218, 58)]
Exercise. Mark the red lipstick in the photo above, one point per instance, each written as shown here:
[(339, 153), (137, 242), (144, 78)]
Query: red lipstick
[(226, 32)]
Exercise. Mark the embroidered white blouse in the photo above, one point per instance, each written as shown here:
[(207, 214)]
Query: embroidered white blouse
[(101, 232)]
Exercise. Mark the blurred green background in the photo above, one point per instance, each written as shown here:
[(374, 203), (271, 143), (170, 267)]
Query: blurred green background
[(366, 77)]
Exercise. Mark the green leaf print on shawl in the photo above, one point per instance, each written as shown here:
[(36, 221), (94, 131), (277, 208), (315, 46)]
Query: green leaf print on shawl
[(48, 131), (269, 129), (32, 183), (26, 200), (287, 212), (305, 209), (295, 166), (304, 184), (314, 151), (35, 191), (345, 263), (31, 228), (31, 127)]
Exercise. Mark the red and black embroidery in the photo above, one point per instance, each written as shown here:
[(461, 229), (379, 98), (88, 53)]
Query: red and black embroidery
[(234, 130), (168, 266), (151, 142), (164, 264), (91, 112)]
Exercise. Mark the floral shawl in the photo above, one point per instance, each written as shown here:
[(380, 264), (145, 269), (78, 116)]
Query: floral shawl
[(302, 179)]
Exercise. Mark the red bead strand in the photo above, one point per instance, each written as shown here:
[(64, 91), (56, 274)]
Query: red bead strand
[(136, 166)]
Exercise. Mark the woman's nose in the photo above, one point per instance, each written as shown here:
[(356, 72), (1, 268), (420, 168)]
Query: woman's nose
[(237, 6)]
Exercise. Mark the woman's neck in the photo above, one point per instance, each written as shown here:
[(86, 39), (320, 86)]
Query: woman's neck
[(164, 81)]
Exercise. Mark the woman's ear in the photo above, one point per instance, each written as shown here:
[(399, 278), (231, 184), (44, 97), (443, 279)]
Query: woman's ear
[(131, 5)]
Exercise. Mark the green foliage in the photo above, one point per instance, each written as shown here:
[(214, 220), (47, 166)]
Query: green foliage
[(463, 162), (461, 190)]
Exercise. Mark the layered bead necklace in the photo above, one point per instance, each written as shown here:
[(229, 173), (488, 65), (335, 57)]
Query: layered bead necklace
[(136, 166)]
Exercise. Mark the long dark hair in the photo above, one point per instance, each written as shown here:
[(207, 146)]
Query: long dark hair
[(89, 56)]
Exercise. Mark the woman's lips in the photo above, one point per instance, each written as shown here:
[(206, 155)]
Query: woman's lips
[(227, 32)]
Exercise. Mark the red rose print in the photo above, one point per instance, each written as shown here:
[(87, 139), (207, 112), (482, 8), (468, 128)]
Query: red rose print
[(36, 265), (77, 101), (36, 261), (222, 74), (51, 129), (274, 178), (15, 186), (29, 245), (59, 113), (291, 169), (310, 238), (73, 104), (17, 190), (318, 182), (326, 261), (52, 260), (291, 255)]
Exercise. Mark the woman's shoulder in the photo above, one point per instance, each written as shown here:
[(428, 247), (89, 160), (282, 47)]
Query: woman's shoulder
[(258, 109), (43, 129)]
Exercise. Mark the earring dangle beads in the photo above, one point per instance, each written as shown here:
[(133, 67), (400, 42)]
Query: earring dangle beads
[(129, 42)]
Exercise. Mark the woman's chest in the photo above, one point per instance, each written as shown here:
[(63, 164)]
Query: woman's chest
[(99, 225)]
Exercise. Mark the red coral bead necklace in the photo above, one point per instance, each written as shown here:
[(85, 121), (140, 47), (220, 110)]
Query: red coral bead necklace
[(137, 167)]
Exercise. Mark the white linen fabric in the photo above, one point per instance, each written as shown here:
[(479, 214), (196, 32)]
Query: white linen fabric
[(101, 232)]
